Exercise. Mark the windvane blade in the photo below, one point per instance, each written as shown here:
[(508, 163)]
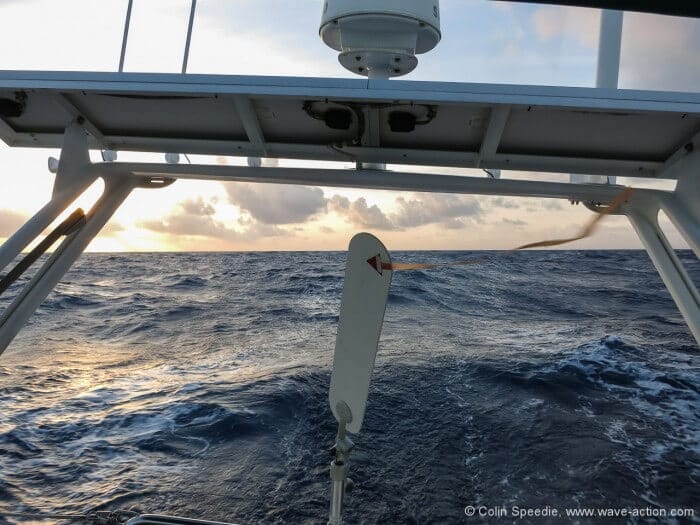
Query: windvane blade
[(365, 294)]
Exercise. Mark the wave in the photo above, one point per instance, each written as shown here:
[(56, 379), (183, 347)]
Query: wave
[(205, 386)]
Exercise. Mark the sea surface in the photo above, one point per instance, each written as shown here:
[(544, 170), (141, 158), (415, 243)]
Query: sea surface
[(196, 384)]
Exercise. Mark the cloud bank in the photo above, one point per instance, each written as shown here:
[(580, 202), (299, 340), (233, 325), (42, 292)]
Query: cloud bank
[(277, 204), (195, 217), (10, 222)]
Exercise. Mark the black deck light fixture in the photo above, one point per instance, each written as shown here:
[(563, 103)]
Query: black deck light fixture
[(13, 108), (402, 121), (338, 118)]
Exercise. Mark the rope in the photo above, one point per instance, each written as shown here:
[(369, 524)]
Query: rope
[(586, 231), (589, 228)]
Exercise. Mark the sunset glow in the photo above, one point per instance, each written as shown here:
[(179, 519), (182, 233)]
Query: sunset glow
[(482, 42)]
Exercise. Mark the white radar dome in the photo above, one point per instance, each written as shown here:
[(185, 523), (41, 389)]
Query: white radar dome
[(380, 38)]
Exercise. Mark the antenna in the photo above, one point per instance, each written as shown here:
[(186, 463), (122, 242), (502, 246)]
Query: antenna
[(186, 55), (380, 38), (188, 38), (125, 37)]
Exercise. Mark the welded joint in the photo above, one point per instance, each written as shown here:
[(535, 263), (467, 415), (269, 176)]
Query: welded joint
[(73, 174), (81, 119), (688, 147), (251, 124), (494, 131)]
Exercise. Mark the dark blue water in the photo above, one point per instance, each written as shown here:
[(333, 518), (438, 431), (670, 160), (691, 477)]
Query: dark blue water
[(196, 384)]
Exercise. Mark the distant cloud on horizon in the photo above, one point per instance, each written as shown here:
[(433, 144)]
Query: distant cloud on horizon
[(10, 221)]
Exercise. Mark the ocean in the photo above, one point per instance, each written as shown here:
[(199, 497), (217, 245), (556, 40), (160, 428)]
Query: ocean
[(196, 384)]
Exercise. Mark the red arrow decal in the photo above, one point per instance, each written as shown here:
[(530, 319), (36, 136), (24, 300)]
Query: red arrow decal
[(376, 263)]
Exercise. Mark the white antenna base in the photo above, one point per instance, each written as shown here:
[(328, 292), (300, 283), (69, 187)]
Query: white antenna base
[(380, 38), (378, 64)]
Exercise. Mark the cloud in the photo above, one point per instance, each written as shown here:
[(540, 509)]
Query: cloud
[(552, 204), (10, 222), (515, 222), (453, 224), (197, 207), (195, 217), (360, 214), (418, 210), (275, 203), (658, 52), (111, 229), (501, 202), (256, 230), (433, 208), (67, 25), (284, 44), (555, 21)]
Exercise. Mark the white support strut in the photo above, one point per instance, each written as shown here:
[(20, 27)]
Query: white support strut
[(24, 305), (668, 265), (368, 178), (682, 207), (75, 174)]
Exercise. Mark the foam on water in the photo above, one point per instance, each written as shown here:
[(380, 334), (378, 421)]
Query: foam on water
[(541, 378)]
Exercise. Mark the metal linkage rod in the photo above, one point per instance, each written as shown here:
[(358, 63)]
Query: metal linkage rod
[(186, 57), (339, 474), (127, 22)]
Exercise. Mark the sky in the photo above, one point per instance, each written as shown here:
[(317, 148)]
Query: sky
[(482, 41)]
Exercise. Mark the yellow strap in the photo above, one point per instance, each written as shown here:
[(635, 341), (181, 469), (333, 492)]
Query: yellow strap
[(587, 231)]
